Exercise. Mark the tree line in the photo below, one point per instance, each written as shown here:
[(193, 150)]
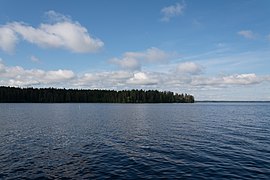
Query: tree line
[(54, 95)]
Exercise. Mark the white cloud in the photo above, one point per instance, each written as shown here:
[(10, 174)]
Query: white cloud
[(152, 54), (58, 76), (202, 86), (102, 80), (8, 39), (172, 11), (134, 60), (127, 63), (116, 79), (189, 68), (18, 76), (141, 78), (120, 75), (236, 79), (57, 17), (247, 34), (63, 33), (2, 66), (123, 78), (242, 79)]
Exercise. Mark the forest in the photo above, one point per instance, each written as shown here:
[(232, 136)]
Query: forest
[(54, 95)]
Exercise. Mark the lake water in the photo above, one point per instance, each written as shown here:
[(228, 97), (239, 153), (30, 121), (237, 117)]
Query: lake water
[(133, 141)]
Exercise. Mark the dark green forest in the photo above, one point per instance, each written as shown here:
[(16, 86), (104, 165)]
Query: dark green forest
[(53, 95)]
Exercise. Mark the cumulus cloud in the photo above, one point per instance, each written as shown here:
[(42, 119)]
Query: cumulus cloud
[(62, 33), (127, 63), (134, 60), (103, 80), (247, 34), (18, 76), (141, 78), (172, 11), (171, 80), (58, 75), (242, 79), (102, 77), (189, 68), (117, 79), (236, 79), (8, 39)]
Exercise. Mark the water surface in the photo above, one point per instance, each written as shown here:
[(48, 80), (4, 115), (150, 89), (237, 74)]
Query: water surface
[(131, 141)]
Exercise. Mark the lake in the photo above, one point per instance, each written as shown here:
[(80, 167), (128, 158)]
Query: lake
[(134, 141)]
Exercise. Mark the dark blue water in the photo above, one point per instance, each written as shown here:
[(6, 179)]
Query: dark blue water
[(133, 141)]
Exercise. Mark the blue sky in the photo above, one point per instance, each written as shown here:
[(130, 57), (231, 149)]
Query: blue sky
[(215, 50)]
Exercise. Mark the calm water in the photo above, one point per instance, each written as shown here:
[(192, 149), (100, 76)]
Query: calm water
[(131, 141)]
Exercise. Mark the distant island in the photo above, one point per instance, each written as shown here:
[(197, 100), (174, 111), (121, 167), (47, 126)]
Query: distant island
[(54, 95)]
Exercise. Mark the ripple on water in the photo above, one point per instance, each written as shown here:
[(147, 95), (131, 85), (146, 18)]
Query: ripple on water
[(135, 141)]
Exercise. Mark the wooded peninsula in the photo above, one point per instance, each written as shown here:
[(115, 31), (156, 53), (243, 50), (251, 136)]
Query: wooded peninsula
[(54, 95)]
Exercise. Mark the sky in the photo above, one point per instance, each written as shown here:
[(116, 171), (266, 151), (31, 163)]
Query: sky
[(214, 50)]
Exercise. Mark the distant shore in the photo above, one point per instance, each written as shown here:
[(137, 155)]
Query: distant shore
[(232, 101), (54, 95)]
